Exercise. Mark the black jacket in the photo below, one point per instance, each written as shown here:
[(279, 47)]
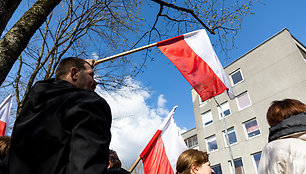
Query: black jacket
[(61, 130), (117, 170)]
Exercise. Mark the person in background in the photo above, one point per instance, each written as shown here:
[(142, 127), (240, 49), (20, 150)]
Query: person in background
[(5, 142), (114, 166), (193, 161), (64, 126), (114, 160), (285, 152)]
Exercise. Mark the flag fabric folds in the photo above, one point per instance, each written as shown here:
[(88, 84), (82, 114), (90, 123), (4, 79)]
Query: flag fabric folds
[(194, 56), (5, 109), (163, 150)]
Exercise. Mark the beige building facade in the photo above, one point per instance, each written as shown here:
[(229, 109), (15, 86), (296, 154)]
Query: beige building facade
[(274, 70)]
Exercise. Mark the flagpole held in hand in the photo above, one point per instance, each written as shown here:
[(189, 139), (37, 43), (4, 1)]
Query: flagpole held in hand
[(134, 165), (125, 53)]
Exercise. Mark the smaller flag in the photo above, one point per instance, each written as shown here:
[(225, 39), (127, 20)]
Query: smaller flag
[(5, 109), (163, 150), (194, 56)]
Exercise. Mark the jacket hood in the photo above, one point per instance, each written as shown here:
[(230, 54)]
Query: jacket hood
[(292, 125)]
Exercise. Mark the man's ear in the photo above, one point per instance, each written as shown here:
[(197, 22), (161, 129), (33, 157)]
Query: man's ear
[(74, 74)]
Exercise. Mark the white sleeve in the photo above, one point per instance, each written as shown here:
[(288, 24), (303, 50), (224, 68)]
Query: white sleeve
[(272, 160)]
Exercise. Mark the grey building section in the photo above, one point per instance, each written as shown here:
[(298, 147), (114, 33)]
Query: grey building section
[(191, 139), (274, 70)]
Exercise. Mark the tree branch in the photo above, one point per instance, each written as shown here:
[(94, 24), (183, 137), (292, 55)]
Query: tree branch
[(184, 10)]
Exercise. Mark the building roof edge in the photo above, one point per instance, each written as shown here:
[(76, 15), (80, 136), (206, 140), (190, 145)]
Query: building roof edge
[(284, 29), (188, 131)]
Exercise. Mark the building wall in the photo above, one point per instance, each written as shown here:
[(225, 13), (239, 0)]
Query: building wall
[(189, 135), (274, 70)]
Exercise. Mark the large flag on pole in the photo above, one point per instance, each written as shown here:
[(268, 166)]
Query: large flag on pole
[(194, 56), (163, 150), (5, 109)]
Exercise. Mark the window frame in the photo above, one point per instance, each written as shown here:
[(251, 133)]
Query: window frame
[(237, 101), (212, 119), (231, 78), (192, 139), (230, 162), (246, 131), (223, 132), (207, 146), (219, 164), (219, 110), (254, 162)]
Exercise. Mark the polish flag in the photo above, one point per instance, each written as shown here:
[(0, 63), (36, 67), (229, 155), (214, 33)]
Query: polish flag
[(163, 150), (194, 56), (5, 109)]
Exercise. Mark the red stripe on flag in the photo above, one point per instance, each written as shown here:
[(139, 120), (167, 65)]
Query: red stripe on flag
[(196, 71), (150, 145), (157, 161), (2, 128)]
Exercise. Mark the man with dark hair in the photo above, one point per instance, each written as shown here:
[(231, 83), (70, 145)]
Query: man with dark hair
[(64, 126)]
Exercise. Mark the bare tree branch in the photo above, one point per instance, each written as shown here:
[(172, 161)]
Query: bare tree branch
[(184, 10)]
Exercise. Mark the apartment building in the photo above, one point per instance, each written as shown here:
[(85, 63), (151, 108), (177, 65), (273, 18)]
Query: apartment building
[(273, 70)]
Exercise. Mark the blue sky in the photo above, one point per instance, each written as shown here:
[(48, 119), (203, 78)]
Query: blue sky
[(270, 17)]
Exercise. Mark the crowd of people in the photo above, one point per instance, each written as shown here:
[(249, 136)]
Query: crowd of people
[(64, 128)]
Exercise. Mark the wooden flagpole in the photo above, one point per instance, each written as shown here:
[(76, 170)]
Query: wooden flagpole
[(134, 165), (124, 53)]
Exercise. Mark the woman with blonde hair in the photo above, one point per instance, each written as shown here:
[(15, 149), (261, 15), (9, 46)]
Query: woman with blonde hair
[(193, 161), (285, 153)]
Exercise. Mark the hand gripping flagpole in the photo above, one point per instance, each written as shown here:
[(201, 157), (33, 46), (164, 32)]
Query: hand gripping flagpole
[(226, 137), (125, 53)]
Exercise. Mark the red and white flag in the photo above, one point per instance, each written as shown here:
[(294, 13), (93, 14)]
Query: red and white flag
[(5, 109), (163, 150), (194, 56)]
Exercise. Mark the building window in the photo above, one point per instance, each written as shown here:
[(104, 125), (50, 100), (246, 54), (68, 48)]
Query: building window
[(231, 136), (226, 109), (238, 166), (192, 141), (243, 101), (217, 169), (207, 118), (236, 77), (256, 159), (251, 128), (211, 143)]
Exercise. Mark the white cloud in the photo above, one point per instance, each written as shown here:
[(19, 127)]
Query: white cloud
[(134, 121), (95, 55), (161, 101), (161, 105)]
